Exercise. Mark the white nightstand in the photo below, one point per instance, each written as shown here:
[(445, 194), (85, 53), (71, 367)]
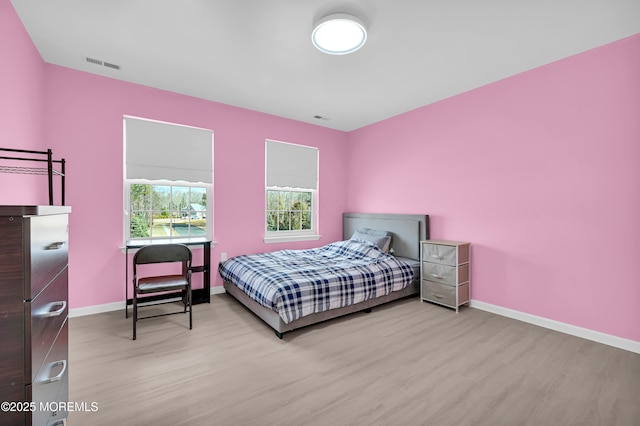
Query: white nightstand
[(445, 272)]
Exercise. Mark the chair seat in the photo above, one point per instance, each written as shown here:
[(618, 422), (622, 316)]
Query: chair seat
[(162, 283)]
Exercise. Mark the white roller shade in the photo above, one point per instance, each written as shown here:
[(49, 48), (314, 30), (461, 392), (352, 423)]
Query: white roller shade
[(155, 151), (290, 165)]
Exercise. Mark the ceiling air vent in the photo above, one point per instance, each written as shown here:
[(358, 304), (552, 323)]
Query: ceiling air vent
[(93, 61), (102, 63)]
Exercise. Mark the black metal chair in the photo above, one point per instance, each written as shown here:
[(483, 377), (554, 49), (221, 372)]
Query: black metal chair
[(162, 253)]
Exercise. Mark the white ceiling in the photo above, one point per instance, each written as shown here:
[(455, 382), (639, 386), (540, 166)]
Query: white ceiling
[(257, 54)]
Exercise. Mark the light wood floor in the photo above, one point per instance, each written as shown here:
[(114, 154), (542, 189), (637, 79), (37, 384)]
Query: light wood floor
[(407, 363)]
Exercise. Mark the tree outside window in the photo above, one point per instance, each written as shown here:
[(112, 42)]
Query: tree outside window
[(288, 210), (164, 211)]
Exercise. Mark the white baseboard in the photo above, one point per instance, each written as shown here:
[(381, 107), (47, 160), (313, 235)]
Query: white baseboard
[(96, 309), (218, 290), (596, 336), (116, 306)]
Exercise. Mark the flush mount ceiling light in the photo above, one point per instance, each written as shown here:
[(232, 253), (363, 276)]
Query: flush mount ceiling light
[(339, 34)]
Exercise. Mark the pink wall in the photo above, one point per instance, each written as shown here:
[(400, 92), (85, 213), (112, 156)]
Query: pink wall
[(540, 172), (21, 100), (84, 121)]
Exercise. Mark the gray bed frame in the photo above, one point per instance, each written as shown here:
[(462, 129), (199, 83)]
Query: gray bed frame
[(407, 232)]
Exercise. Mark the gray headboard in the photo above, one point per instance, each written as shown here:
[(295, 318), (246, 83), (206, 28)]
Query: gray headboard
[(407, 229)]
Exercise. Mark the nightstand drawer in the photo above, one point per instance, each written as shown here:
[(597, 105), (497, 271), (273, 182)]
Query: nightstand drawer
[(445, 274), (435, 253), (444, 294)]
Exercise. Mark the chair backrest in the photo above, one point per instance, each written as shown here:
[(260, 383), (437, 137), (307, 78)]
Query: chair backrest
[(162, 253)]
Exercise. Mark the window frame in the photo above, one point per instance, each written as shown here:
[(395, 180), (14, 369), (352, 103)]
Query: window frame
[(148, 160), (279, 236), (127, 206), (283, 175)]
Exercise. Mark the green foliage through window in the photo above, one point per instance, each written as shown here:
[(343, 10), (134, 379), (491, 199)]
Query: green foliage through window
[(289, 210), (162, 211), (139, 226)]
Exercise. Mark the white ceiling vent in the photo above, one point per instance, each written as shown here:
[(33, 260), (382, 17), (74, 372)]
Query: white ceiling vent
[(108, 65), (99, 62), (93, 61)]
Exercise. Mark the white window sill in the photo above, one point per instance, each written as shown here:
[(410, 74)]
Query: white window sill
[(123, 248), (269, 239)]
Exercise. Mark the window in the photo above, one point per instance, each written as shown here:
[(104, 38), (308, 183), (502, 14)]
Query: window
[(288, 210), (168, 180), (165, 211), (291, 190)]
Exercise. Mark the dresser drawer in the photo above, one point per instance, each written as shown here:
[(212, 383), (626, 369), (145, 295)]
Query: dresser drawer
[(436, 253), (445, 274), (44, 318), (52, 378), (58, 417), (46, 251), (444, 294)]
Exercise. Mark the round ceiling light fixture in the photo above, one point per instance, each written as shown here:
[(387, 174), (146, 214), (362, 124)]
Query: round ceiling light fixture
[(339, 34)]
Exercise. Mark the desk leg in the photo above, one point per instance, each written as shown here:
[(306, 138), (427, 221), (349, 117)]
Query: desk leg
[(126, 282), (206, 285)]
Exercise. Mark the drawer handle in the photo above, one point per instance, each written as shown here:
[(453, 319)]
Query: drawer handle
[(440, 277), (58, 376), (47, 311), (438, 296), (55, 246), (435, 256)]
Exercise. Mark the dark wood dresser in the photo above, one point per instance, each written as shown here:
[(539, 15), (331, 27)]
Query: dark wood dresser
[(34, 365)]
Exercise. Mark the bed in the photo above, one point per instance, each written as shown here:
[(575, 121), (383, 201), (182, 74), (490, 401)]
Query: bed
[(349, 264)]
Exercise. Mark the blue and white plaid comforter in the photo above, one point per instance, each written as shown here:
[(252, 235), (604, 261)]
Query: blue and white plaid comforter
[(296, 283)]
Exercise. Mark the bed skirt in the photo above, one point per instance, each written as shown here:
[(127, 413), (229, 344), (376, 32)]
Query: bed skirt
[(274, 321)]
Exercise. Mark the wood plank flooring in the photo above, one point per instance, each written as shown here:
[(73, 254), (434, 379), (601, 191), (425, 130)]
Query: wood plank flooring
[(406, 363)]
